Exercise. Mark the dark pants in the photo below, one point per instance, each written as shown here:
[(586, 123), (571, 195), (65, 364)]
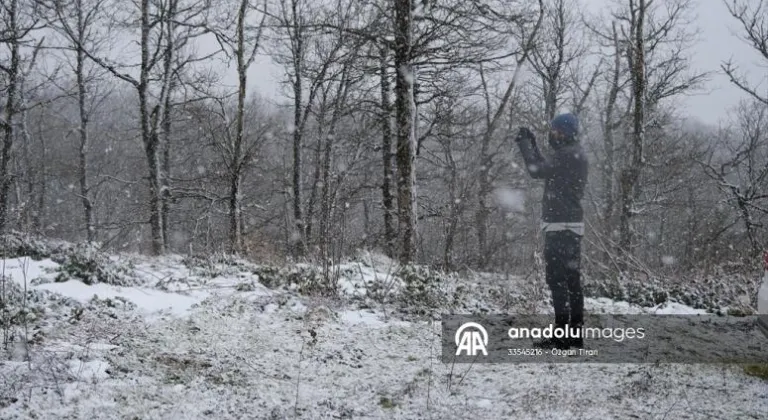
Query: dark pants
[(562, 257)]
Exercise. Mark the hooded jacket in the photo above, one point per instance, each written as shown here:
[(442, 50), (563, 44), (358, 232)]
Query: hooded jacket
[(564, 174)]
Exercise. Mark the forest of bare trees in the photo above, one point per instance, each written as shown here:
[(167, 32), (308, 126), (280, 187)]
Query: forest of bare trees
[(393, 132)]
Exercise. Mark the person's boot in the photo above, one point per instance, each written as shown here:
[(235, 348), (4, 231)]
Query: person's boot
[(553, 343), (576, 338)]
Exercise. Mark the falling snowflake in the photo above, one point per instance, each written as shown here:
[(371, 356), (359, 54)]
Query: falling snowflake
[(407, 74), (513, 200)]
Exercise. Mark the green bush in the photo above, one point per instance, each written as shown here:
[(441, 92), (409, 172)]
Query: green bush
[(724, 287), (423, 289), (308, 280), (86, 263)]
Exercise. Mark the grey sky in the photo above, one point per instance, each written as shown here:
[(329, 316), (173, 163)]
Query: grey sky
[(718, 42)]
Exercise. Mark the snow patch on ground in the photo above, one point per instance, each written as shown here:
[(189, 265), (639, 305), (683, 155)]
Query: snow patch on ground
[(369, 319), (674, 308), (147, 300), (26, 269), (92, 370), (212, 342)]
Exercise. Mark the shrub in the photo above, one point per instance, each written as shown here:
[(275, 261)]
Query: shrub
[(23, 314), (426, 290), (86, 263), (16, 244), (308, 280), (725, 286), (217, 264)]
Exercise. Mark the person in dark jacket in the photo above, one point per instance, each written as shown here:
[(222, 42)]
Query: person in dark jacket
[(565, 176)]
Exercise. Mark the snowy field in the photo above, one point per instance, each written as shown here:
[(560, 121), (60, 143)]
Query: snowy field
[(215, 343)]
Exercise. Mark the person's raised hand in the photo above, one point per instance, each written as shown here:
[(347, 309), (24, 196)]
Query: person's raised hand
[(524, 134)]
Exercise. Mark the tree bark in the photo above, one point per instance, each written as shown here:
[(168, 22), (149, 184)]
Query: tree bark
[(390, 235), (10, 112), (609, 172), (631, 174), (235, 217), (404, 109), (149, 137), (298, 51), (83, 126)]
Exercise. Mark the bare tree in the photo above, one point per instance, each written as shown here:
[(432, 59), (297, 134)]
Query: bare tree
[(557, 48), (752, 15), (79, 19), (630, 175), (164, 29), (740, 168), (494, 117), (30, 96), (18, 21), (654, 37), (243, 46), (610, 123), (293, 20)]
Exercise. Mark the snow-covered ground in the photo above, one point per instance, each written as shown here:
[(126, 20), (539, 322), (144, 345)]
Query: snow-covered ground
[(190, 343)]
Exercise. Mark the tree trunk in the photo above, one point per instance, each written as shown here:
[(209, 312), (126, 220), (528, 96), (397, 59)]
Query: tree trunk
[(482, 214), (325, 202), (149, 138), (39, 221), (316, 173), (630, 175), (297, 212), (83, 127), (235, 218), (10, 112), (26, 140), (390, 235), (453, 222), (298, 47), (404, 109), (166, 165), (609, 169), (166, 122)]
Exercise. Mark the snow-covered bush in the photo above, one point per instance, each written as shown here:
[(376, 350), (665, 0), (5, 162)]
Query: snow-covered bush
[(726, 286), (15, 313), (382, 289), (306, 279), (24, 314), (85, 262), (16, 244), (425, 290), (421, 287), (217, 264)]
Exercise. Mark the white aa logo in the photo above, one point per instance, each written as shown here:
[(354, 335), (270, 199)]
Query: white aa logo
[(471, 341)]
